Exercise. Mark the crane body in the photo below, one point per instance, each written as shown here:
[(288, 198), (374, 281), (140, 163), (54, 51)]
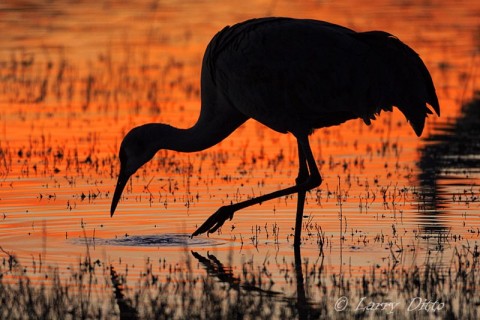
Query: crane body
[(293, 76)]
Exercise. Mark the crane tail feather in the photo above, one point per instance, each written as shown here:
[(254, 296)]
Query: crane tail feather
[(403, 78)]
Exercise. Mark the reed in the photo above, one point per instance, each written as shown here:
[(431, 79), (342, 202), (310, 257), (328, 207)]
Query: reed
[(96, 290)]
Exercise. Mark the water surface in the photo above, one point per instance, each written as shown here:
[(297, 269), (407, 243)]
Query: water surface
[(74, 78)]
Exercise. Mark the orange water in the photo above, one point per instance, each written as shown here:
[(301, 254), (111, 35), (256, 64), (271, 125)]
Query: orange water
[(75, 78)]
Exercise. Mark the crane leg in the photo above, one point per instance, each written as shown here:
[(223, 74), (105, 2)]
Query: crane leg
[(312, 180), (301, 178)]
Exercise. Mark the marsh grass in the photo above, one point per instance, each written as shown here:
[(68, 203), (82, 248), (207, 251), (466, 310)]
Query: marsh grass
[(92, 289), (95, 290)]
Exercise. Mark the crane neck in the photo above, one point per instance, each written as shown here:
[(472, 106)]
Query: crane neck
[(203, 135)]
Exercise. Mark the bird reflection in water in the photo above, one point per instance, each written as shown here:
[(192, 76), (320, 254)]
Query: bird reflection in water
[(304, 307)]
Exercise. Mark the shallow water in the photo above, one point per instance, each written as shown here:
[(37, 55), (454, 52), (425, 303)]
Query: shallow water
[(156, 240), (75, 78)]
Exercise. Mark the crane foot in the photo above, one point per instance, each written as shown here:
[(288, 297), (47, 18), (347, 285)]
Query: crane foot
[(215, 221)]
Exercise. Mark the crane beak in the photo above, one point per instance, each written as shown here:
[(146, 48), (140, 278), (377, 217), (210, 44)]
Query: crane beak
[(121, 183)]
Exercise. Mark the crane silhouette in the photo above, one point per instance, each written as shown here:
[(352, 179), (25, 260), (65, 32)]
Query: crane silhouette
[(293, 76)]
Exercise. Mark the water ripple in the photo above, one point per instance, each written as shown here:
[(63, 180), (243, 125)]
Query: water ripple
[(157, 240)]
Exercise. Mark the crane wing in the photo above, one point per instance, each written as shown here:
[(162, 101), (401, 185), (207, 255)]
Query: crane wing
[(303, 74)]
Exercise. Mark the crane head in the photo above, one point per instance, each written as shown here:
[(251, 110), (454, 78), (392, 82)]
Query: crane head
[(137, 148)]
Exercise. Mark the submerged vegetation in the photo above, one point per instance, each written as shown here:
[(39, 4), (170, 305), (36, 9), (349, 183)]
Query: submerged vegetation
[(382, 237), (96, 290)]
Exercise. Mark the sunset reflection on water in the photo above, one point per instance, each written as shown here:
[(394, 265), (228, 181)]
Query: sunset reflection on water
[(75, 78)]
